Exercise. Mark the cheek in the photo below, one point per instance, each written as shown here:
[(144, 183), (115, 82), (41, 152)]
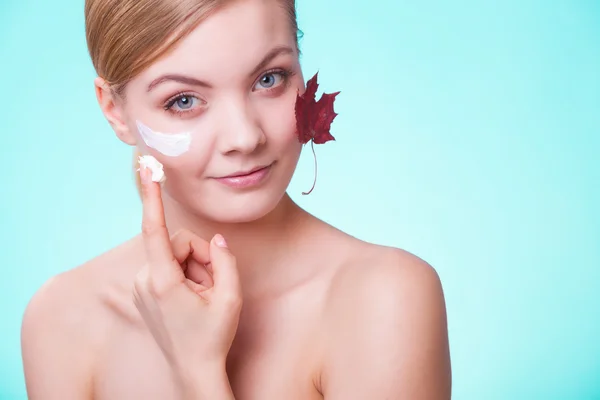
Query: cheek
[(172, 143), (192, 163), (184, 172), (280, 123)]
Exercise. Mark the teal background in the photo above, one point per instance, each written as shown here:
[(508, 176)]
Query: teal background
[(468, 134)]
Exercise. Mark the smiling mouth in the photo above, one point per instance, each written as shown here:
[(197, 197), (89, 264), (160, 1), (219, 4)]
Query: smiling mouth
[(240, 174), (247, 179)]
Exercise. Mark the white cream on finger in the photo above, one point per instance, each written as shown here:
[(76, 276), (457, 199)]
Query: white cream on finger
[(158, 174)]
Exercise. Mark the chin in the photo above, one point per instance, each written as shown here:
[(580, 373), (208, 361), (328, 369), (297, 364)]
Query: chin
[(236, 201), (224, 205), (242, 207)]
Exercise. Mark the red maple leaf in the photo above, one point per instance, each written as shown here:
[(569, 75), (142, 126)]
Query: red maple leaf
[(314, 118)]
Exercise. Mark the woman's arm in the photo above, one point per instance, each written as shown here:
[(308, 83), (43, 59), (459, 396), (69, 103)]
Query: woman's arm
[(387, 337), (55, 347), (206, 382)]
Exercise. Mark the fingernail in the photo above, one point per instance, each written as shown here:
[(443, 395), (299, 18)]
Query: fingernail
[(220, 241)]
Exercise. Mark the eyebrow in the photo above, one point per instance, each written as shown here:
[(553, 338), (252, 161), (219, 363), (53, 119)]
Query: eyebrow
[(187, 80)]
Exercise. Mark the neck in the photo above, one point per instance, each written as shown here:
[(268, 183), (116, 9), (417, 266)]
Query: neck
[(259, 246)]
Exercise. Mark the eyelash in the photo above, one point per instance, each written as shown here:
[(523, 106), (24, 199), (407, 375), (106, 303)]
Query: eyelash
[(285, 74), (172, 100)]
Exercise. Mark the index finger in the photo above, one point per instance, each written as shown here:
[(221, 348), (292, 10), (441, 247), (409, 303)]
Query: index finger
[(154, 228)]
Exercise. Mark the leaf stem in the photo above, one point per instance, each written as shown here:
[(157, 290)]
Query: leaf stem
[(312, 145)]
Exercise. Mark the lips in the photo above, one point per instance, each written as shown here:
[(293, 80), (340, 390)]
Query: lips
[(247, 179), (246, 172)]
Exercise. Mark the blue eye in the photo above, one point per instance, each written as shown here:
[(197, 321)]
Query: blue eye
[(272, 79), (268, 80), (184, 102)]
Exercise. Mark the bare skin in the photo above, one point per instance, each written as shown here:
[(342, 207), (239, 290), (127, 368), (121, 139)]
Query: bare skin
[(346, 319), (324, 315)]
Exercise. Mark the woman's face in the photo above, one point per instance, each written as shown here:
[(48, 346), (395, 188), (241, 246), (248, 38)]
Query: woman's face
[(232, 85)]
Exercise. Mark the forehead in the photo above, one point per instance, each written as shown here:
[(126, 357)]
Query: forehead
[(232, 40)]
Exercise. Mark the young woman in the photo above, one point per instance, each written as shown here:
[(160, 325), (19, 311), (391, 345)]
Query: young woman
[(231, 291)]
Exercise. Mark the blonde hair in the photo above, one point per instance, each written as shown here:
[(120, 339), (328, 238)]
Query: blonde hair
[(124, 37)]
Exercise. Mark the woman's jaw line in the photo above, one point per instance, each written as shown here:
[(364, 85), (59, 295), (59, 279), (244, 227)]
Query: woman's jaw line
[(272, 226)]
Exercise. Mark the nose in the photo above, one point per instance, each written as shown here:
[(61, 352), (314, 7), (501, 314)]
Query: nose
[(241, 131)]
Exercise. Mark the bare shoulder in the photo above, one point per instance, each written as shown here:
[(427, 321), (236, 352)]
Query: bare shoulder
[(70, 296), (382, 271), (386, 326), (357, 266), (388, 271), (63, 326)]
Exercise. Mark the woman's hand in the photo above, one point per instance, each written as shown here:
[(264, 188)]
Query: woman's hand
[(193, 324)]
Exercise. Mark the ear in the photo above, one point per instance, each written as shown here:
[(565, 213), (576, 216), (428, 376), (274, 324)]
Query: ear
[(112, 109)]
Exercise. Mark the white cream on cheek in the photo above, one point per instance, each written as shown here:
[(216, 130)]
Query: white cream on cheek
[(169, 144)]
